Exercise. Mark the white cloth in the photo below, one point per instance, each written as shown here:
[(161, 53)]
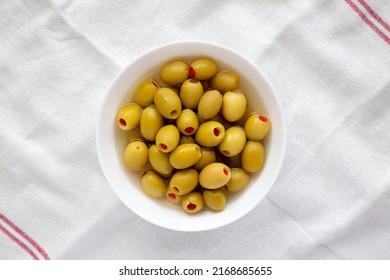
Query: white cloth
[(330, 68)]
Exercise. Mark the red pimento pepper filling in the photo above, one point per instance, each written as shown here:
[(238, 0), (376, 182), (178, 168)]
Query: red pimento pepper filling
[(226, 171), (172, 195), (163, 146), (263, 119), (122, 122), (191, 206), (191, 72), (189, 129), (176, 189), (216, 131)]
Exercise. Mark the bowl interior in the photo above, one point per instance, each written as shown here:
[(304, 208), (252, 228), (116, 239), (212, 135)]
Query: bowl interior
[(111, 142)]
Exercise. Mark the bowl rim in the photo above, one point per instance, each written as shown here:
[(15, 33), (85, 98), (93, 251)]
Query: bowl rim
[(123, 71)]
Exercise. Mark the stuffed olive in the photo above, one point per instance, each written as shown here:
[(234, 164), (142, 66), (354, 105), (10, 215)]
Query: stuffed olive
[(233, 105), (252, 157), (171, 196), (210, 104), (167, 138), (128, 117), (233, 142), (257, 127), (202, 69), (238, 181), (145, 92), (153, 185), (214, 199), (151, 122), (225, 81), (192, 202), (210, 134), (214, 175), (174, 73), (184, 181), (191, 91), (185, 155), (168, 103), (187, 122), (160, 160)]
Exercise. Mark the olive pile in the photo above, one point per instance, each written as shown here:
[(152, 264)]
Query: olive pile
[(194, 137)]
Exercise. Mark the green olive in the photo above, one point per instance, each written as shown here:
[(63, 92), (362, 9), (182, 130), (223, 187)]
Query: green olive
[(252, 157), (208, 156), (167, 103), (144, 94), (184, 181), (214, 199), (210, 104), (174, 73), (187, 122), (184, 139), (160, 160), (234, 105), (225, 81), (191, 92), (257, 127), (202, 69), (136, 155), (151, 122), (167, 138), (210, 134), (185, 156), (153, 185), (192, 202), (128, 117), (171, 196), (233, 142), (214, 175), (239, 180)]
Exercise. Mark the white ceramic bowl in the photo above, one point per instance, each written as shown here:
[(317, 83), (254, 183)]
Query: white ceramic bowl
[(111, 142)]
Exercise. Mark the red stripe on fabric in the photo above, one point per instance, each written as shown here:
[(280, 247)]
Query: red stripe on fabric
[(375, 15), (368, 22), (28, 238), (20, 243)]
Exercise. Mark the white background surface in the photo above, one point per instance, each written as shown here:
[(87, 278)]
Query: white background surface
[(330, 70)]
